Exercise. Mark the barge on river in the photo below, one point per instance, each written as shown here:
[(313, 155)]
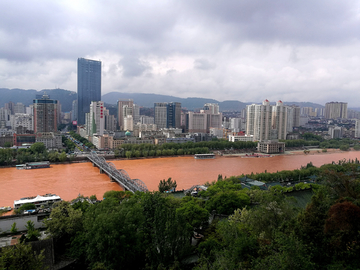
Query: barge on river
[(33, 165), (204, 156)]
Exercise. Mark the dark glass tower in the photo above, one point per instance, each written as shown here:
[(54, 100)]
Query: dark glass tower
[(173, 115), (89, 86)]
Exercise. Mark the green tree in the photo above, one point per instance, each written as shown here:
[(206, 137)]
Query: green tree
[(227, 202), (7, 144), (21, 256), (128, 154), (38, 147), (13, 228), (25, 206), (32, 234), (285, 252), (113, 235), (167, 185), (62, 157), (344, 147), (166, 230), (357, 147), (117, 195), (64, 221), (195, 215)]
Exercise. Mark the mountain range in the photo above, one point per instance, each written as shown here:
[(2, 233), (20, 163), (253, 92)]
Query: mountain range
[(66, 98)]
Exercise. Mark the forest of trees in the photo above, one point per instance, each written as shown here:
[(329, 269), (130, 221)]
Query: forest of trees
[(249, 229)]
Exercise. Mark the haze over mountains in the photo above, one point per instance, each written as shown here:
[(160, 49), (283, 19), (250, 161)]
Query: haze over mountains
[(66, 98)]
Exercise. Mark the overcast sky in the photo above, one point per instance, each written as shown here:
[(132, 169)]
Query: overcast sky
[(247, 50)]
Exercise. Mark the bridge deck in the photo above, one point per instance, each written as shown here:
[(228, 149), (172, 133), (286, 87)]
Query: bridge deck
[(120, 176)]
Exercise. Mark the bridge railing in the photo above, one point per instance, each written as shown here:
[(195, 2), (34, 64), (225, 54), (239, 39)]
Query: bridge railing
[(120, 176)]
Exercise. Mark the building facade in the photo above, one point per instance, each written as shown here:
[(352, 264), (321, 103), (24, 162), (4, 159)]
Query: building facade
[(124, 107), (88, 85), (45, 115), (334, 110), (259, 120), (95, 123)]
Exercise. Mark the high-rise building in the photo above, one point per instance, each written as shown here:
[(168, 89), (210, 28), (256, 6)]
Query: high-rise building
[(10, 106), (258, 121), (196, 122), (74, 111), (279, 119), (357, 128), (167, 114), (173, 115), (95, 119), (45, 115), (136, 113), (121, 104), (334, 110), (89, 86), (160, 114)]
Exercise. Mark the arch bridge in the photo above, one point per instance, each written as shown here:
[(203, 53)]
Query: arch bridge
[(120, 176)]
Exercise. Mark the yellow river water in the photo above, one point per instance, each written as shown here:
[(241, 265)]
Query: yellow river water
[(70, 180)]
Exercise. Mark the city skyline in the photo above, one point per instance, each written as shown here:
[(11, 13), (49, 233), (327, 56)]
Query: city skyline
[(248, 50)]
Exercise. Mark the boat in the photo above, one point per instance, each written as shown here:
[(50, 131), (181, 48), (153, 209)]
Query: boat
[(204, 156), (38, 200), (33, 165), (256, 156), (6, 208)]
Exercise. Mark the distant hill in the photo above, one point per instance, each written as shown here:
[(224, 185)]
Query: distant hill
[(191, 103), (66, 98), (26, 97)]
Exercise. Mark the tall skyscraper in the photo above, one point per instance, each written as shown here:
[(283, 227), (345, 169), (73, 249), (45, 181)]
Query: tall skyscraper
[(89, 86), (45, 115)]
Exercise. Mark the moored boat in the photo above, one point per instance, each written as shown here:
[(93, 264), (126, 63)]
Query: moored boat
[(204, 156), (33, 165)]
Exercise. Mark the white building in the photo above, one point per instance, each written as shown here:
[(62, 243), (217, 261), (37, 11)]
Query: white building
[(129, 123), (258, 121), (22, 119), (279, 119), (239, 138), (357, 128), (95, 119), (50, 140)]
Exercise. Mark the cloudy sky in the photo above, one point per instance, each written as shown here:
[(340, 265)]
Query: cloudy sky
[(245, 50)]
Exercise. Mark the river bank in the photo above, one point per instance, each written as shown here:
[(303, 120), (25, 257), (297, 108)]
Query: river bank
[(71, 179)]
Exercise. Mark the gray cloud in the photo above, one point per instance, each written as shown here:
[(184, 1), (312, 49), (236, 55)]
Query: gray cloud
[(133, 67), (203, 64), (244, 50)]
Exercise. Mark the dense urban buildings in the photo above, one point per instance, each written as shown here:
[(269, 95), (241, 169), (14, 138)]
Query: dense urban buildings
[(45, 114), (335, 110), (89, 86), (167, 114), (269, 122), (125, 109)]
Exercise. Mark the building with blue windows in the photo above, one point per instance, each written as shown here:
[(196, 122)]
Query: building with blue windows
[(89, 86)]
